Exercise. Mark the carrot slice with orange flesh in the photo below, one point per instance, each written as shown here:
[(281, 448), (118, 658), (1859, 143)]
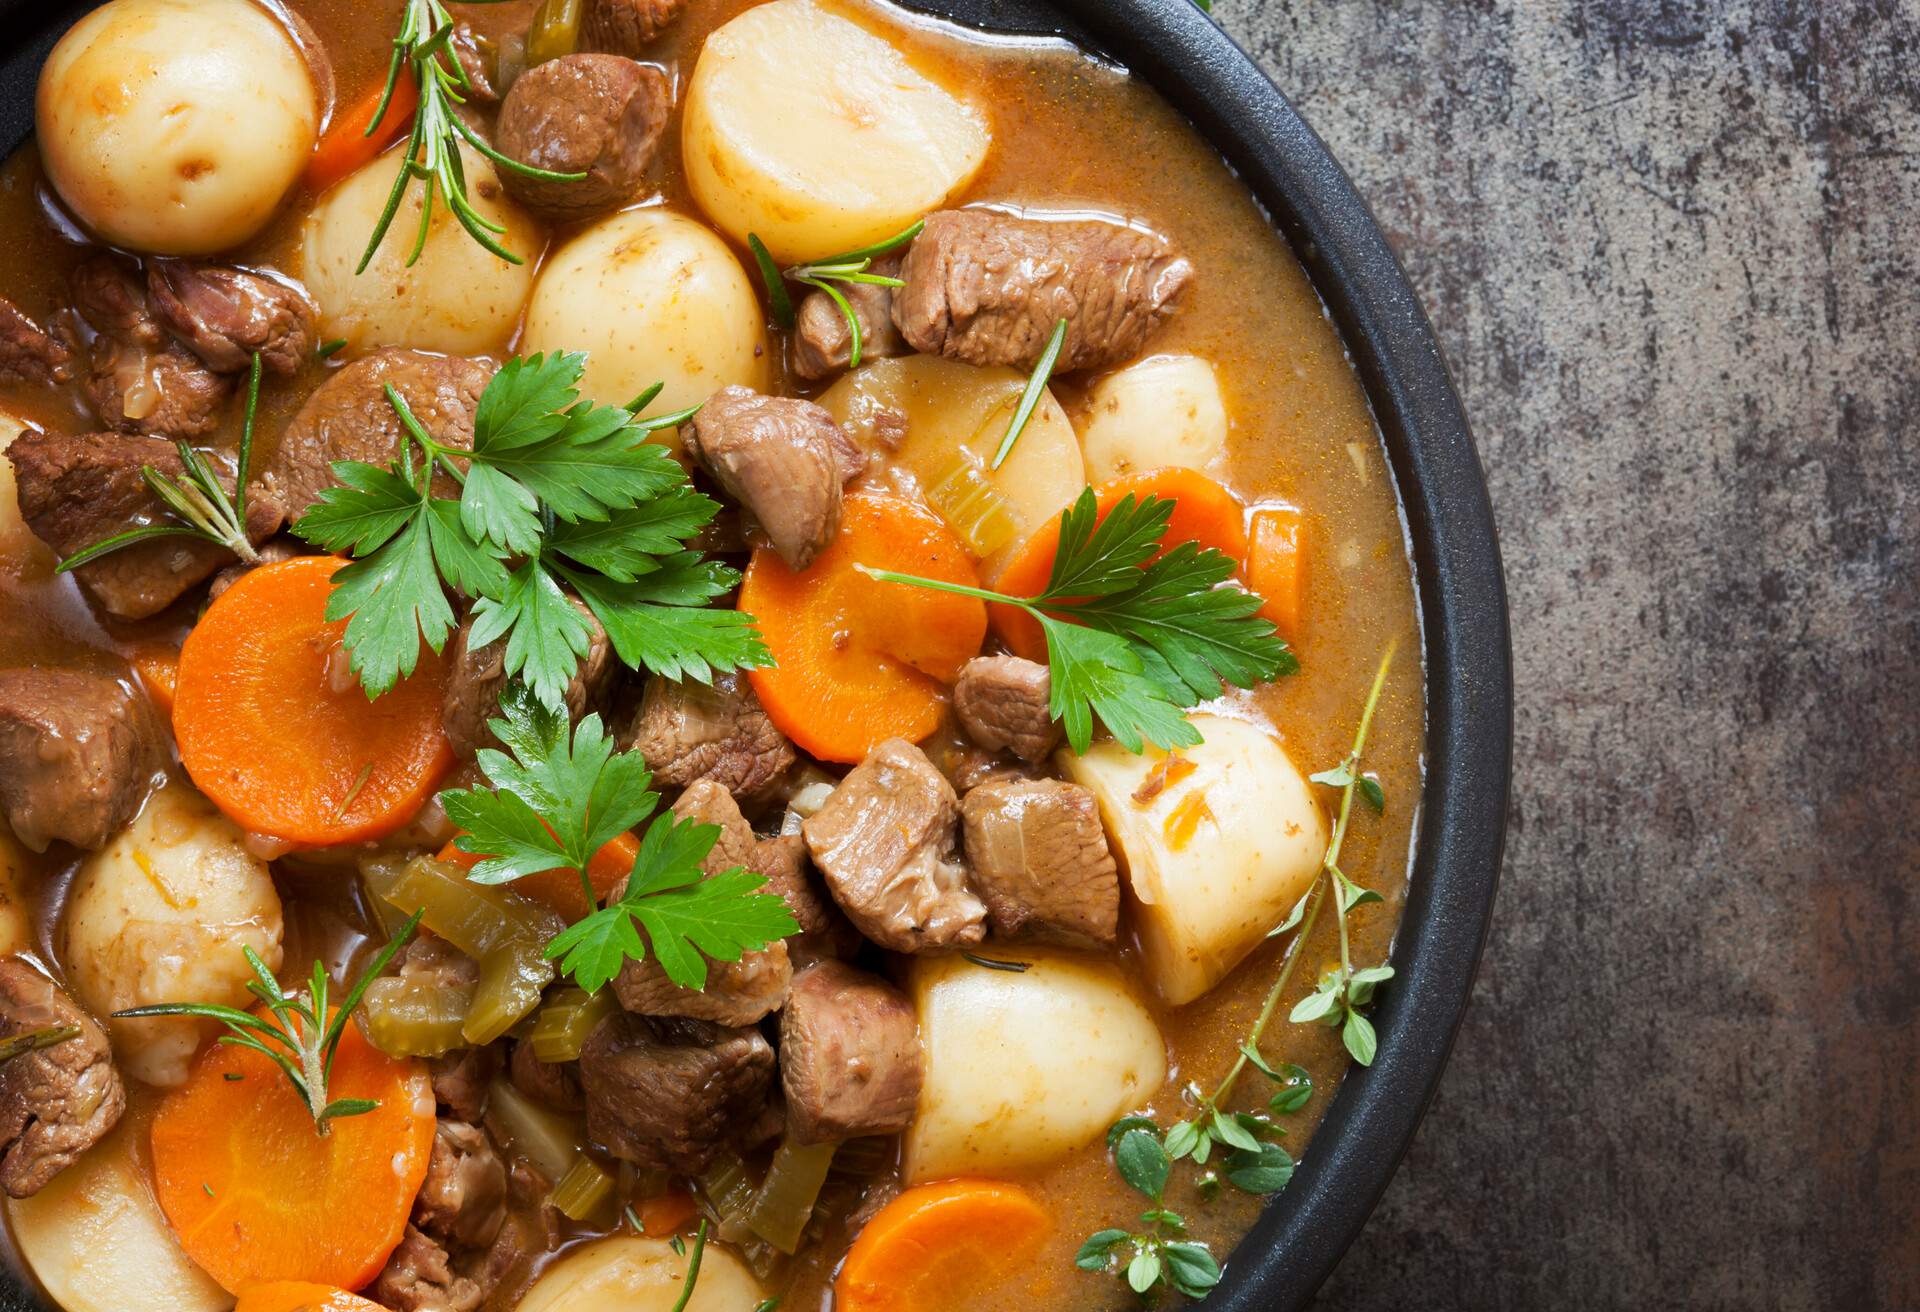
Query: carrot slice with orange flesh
[(347, 146), (1276, 566), (666, 1214), (560, 889), (935, 1242), (267, 736), (858, 661), (159, 671), (255, 1194), (1203, 512), (301, 1296)]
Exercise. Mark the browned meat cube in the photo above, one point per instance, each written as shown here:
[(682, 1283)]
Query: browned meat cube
[(601, 115), (226, 315), (139, 379), (554, 1084), (626, 27), (784, 459), (420, 1277), (477, 676), (821, 343), (463, 1200), (849, 1055), (885, 842), (55, 1102), (688, 732), (987, 288), (28, 352), (1001, 701), (668, 1095), (79, 752), (1040, 860)]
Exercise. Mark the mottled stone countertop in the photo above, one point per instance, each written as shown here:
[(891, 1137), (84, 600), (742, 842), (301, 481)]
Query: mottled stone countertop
[(1670, 247)]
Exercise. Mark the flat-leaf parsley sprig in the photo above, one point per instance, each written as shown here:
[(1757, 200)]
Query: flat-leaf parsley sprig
[(1132, 639), (556, 799), (557, 495)]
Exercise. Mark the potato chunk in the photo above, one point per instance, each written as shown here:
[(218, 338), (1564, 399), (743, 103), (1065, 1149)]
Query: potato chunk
[(1163, 411), (1215, 847), (631, 1274), (160, 914), (650, 296), (818, 135), (1024, 1068)]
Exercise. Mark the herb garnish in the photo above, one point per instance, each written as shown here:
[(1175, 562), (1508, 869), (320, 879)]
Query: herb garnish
[(1132, 639), (556, 801), (19, 1045), (304, 1028), (1158, 1256), (1030, 398), (433, 147), (847, 267), (201, 506), (693, 1266), (557, 494)]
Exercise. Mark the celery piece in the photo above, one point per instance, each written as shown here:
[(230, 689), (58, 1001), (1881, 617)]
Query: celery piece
[(566, 1021), (966, 498), (785, 1201), (547, 1139), (729, 1191), (583, 1190), (555, 31), (414, 1017), (512, 978)]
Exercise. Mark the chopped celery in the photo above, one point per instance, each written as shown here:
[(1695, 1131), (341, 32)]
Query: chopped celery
[(729, 1191), (548, 1140), (583, 1190), (766, 1262), (414, 1017), (785, 1201), (555, 31), (566, 1021), (511, 980), (476, 918), (966, 498)]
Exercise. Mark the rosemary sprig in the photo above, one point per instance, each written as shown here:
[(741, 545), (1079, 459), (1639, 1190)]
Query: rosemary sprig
[(693, 1267), (433, 147), (848, 267), (1030, 398), (201, 506), (20, 1045), (303, 1034)]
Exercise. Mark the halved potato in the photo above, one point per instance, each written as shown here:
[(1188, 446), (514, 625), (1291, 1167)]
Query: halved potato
[(631, 1274), (651, 296), (1164, 410), (956, 416), (1214, 859), (1023, 1068), (17, 542), (818, 135)]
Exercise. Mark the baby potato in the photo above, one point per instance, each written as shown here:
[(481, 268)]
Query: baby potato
[(650, 296), (1162, 411), (818, 135), (956, 416), (176, 126), (98, 1241), (1024, 1068), (1217, 857), (160, 914), (631, 1274), (458, 297)]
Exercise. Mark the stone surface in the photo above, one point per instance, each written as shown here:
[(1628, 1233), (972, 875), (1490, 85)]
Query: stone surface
[(1670, 248)]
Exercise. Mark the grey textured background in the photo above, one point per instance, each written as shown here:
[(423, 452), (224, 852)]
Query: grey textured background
[(1670, 249)]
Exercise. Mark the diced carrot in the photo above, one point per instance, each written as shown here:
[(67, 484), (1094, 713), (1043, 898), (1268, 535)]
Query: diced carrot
[(667, 1214), (159, 671), (858, 661), (1203, 512), (301, 1296), (560, 889), (1276, 566), (347, 146), (256, 1195), (927, 1248), (267, 734)]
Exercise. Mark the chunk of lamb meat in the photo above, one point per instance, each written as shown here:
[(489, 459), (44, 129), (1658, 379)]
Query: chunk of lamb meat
[(79, 752), (29, 353), (784, 459), (348, 417), (688, 731), (226, 315), (668, 1095), (821, 343), (601, 115), (75, 491), (270, 553), (626, 27), (1001, 701), (1040, 860), (463, 1200), (987, 288), (420, 1277), (554, 1084), (885, 842), (467, 48), (55, 1102), (737, 992), (825, 934), (476, 676), (849, 1055), (139, 380)]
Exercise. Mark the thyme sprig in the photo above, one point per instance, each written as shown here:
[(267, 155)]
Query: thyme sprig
[(1159, 1255), (300, 1032), (846, 268)]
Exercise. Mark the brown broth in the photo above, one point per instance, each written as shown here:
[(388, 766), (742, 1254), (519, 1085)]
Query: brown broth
[(1301, 433)]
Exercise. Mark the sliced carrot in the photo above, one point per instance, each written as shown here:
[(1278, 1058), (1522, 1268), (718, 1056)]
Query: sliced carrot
[(858, 661), (667, 1214), (1276, 566), (1203, 512), (256, 1195), (347, 146), (268, 736), (301, 1296), (159, 671), (560, 889), (935, 1243)]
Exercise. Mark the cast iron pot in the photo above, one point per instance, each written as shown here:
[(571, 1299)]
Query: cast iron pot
[(1190, 61)]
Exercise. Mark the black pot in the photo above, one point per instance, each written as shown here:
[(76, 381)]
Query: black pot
[(1180, 52)]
